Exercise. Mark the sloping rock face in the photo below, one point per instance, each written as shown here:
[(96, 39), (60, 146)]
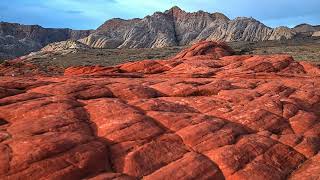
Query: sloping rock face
[(150, 32), (54, 49), (11, 47), (316, 34), (200, 115), (177, 27), (306, 28), (282, 33), (63, 45), (17, 40)]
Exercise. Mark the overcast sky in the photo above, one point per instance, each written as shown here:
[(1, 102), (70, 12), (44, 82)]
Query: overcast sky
[(89, 14)]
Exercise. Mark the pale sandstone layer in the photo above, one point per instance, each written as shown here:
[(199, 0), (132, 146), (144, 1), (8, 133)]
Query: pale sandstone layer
[(176, 27)]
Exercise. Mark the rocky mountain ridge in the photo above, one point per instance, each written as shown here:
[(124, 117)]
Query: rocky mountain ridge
[(17, 40), (173, 27), (306, 28), (177, 27)]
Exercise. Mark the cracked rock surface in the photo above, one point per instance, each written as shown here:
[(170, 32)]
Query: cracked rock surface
[(201, 115)]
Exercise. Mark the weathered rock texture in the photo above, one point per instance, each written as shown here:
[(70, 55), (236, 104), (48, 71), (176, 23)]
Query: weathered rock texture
[(63, 45), (17, 40), (316, 34), (201, 115), (306, 28), (177, 27), (173, 27), (54, 49)]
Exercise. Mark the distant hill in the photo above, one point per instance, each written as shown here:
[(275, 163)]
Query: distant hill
[(17, 39), (306, 28)]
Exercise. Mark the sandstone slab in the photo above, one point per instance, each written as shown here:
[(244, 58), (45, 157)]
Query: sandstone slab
[(201, 115)]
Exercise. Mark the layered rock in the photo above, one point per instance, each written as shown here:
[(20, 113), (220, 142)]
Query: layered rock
[(201, 115), (17, 40), (316, 34), (63, 45), (22, 67), (12, 47), (177, 27), (282, 33), (306, 28), (170, 28), (57, 48), (152, 31)]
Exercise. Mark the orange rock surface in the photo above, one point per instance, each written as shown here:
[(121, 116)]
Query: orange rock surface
[(200, 115)]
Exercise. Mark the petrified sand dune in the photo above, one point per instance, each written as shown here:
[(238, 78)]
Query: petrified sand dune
[(201, 115)]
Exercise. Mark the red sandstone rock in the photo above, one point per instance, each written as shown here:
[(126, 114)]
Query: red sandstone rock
[(85, 70), (191, 166), (211, 49), (197, 116)]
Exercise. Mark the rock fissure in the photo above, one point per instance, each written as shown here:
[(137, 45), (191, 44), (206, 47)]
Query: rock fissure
[(258, 120)]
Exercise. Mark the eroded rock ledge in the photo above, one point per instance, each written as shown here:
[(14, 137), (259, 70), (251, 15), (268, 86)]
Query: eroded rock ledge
[(200, 115)]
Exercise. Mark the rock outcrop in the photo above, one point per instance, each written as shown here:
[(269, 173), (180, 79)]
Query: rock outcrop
[(306, 28), (22, 65), (17, 40), (316, 34), (200, 115), (11, 47), (64, 45), (177, 27), (282, 33)]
